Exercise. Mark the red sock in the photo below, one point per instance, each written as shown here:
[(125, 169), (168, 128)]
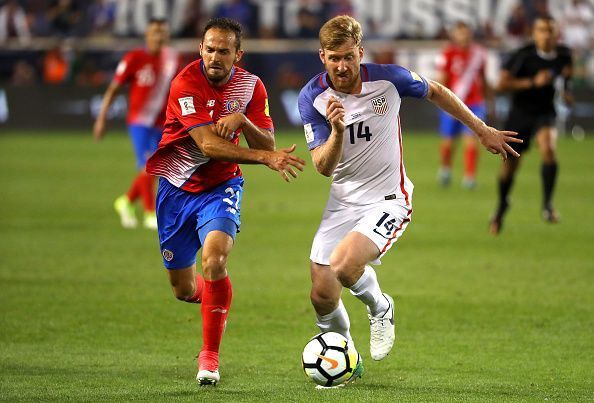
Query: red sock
[(446, 155), (197, 297), (135, 187), (470, 160), (216, 301), (147, 191)]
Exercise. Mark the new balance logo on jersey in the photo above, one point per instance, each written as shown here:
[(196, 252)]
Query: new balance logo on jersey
[(210, 103), (380, 105)]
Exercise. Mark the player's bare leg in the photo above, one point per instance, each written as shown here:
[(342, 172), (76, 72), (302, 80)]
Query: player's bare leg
[(186, 284), (546, 138), (330, 311), (325, 298), (349, 261), (216, 301), (446, 151), (505, 182), (471, 152)]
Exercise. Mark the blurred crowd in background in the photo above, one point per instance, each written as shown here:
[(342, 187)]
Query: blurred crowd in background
[(498, 23)]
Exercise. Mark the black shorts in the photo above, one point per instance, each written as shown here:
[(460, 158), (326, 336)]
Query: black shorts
[(527, 125)]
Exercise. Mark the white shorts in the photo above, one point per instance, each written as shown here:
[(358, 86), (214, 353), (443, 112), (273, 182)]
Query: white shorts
[(383, 223)]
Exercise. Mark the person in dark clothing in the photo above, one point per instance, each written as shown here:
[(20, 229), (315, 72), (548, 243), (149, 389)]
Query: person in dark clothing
[(531, 74)]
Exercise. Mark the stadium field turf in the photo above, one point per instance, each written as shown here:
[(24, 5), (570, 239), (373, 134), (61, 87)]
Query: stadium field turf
[(86, 312)]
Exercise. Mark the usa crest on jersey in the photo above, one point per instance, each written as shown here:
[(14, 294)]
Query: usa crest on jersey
[(380, 105)]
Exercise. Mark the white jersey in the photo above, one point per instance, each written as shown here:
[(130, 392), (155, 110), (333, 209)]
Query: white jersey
[(371, 168)]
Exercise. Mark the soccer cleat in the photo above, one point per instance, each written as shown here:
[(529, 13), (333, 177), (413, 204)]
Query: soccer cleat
[(550, 215), (496, 222), (444, 176), (208, 368), (469, 183), (382, 331), (208, 378), (126, 211), (150, 220), (357, 373)]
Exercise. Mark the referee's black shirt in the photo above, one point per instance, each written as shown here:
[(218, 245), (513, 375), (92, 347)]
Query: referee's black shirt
[(526, 62)]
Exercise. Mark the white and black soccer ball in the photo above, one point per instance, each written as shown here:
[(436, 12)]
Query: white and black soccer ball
[(329, 359)]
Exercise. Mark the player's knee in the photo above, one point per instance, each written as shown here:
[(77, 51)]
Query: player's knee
[(322, 301), (548, 156), (182, 293), (343, 266), (214, 264)]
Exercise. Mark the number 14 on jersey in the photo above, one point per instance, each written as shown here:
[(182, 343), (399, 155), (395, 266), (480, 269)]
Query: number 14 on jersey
[(362, 132)]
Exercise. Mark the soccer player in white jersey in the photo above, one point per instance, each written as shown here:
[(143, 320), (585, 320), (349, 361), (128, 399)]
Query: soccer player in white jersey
[(350, 115)]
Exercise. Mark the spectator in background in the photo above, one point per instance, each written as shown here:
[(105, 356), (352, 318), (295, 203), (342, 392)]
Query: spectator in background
[(309, 23), (23, 74), (64, 17), (241, 11), (100, 16), (192, 20), (57, 63), (517, 26), (13, 23), (339, 7), (576, 22)]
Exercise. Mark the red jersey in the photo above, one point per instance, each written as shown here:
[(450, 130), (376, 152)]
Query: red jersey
[(149, 77), (464, 70), (193, 102)]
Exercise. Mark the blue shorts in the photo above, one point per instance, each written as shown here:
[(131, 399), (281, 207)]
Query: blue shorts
[(144, 141), (451, 127), (184, 219)]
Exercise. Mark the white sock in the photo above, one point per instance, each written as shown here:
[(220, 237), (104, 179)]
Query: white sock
[(336, 321), (368, 291)]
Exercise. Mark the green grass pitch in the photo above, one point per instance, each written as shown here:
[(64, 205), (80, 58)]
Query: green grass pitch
[(86, 312)]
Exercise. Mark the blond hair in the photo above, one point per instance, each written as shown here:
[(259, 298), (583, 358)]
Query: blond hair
[(339, 30)]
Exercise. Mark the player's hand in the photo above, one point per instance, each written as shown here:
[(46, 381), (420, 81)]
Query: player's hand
[(228, 125), (99, 129), (542, 78), (496, 141), (335, 114), (284, 162)]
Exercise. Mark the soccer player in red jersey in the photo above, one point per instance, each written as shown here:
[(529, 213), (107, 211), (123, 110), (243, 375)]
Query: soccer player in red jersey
[(211, 102), (462, 69), (149, 71)]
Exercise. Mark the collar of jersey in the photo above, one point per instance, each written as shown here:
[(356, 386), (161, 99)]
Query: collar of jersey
[(204, 74)]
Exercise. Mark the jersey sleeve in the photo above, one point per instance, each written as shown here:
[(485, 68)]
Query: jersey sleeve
[(125, 69), (408, 83), (187, 105), (258, 109), (315, 126)]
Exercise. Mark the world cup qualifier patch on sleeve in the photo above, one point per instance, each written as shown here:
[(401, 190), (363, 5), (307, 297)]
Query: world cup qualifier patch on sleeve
[(187, 105), (309, 134)]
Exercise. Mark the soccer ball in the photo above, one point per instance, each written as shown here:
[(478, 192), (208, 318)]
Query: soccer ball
[(329, 359)]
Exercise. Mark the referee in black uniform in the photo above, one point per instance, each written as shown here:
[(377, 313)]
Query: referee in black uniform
[(531, 74)]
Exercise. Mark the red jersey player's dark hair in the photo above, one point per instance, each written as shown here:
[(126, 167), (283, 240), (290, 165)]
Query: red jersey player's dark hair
[(225, 24)]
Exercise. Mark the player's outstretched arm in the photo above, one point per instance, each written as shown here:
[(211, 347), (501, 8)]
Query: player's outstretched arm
[(326, 156), (215, 147), (101, 121), (492, 139)]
